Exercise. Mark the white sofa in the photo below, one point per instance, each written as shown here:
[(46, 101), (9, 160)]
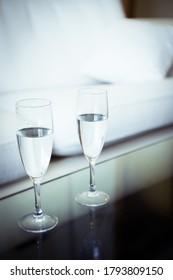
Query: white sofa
[(51, 48)]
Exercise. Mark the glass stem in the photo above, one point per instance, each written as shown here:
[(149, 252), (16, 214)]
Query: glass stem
[(92, 177), (38, 210)]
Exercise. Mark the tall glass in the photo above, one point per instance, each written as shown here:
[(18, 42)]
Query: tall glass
[(92, 119), (35, 141)]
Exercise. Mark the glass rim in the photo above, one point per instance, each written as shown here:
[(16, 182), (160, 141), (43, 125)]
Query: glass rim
[(33, 102), (92, 90)]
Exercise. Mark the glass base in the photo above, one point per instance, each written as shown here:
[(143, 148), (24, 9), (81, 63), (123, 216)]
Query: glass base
[(38, 224), (92, 199)]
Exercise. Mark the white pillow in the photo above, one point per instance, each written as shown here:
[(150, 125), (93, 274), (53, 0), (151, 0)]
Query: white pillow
[(44, 43), (133, 51)]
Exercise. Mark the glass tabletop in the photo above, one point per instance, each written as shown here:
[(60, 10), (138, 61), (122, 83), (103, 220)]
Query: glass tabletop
[(137, 223)]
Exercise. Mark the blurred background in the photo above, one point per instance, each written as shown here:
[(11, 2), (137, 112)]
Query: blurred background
[(148, 8)]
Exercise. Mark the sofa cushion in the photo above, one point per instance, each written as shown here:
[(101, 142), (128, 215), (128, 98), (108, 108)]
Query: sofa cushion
[(11, 165), (44, 43), (133, 50), (133, 109)]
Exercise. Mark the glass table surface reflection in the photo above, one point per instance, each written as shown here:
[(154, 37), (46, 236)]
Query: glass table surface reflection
[(137, 223)]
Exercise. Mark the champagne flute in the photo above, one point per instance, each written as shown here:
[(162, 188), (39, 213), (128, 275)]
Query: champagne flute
[(35, 141), (92, 119)]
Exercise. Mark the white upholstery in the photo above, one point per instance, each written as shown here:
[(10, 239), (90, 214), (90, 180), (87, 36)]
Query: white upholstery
[(44, 43), (133, 51), (43, 47)]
